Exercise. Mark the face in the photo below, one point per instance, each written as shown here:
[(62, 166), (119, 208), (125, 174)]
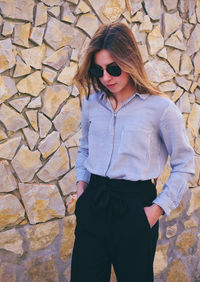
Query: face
[(118, 85)]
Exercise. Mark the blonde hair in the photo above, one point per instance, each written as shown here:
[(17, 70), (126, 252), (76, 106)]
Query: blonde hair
[(118, 40)]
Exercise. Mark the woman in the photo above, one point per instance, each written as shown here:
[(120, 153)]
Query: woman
[(128, 131)]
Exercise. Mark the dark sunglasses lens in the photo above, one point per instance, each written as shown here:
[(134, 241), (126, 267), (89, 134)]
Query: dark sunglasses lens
[(96, 72), (114, 70)]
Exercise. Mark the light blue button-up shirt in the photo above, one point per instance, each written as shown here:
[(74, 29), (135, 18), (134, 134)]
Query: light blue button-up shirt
[(134, 143)]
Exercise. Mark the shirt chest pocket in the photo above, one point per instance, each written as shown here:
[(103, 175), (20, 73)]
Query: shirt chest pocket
[(135, 143)]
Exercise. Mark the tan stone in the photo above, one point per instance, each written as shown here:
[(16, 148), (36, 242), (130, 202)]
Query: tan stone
[(184, 103), (40, 14), (59, 58), (68, 73), (136, 5), (11, 211), (35, 103), (89, 23), (9, 147), (7, 55), (194, 200), (21, 68), (52, 99), (7, 88), (171, 23), (73, 155), (34, 56), (146, 25), (67, 122), (49, 75), (36, 35), (178, 272), (20, 103), (26, 163), (52, 2), (195, 180), (32, 137), (42, 235), (73, 141), (185, 241), (163, 53), (171, 231), (168, 86), (144, 52), (138, 17), (193, 19), (82, 8), (73, 1), (68, 237), (57, 165), (161, 259), (11, 241), (153, 9), (194, 119), (11, 119), (197, 95), (113, 9), (66, 14), (189, 135), (21, 34), (50, 144), (14, 9), (44, 125), (7, 181), (139, 36), (194, 42), (186, 64), (170, 4), (190, 223), (71, 203), (176, 212), (196, 62), (3, 135), (183, 82), (159, 71), (41, 268), (32, 116), (68, 183), (7, 272), (198, 246), (32, 84), (54, 11), (176, 40), (197, 145), (155, 40), (193, 87), (198, 11), (74, 56), (187, 28), (99, 7), (173, 57)]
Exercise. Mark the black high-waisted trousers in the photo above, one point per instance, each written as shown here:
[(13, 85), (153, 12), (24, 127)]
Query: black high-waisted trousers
[(112, 228)]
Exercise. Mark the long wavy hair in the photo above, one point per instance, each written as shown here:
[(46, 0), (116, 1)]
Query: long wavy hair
[(119, 41)]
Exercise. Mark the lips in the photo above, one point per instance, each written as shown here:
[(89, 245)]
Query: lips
[(110, 85)]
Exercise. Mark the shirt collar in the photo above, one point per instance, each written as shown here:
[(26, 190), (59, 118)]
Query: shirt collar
[(103, 96)]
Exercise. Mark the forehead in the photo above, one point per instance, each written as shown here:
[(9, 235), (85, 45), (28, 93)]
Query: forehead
[(103, 58)]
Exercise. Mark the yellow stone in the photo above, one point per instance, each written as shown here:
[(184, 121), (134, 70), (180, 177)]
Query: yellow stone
[(155, 40), (71, 203), (9, 148), (185, 241), (69, 224), (68, 183), (21, 34), (173, 57), (197, 145), (89, 23), (68, 73), (178, 272), (194, 120), (32, 117), (40, 14), (196, 61), (186, 64), (161, 258), (176, 212), (113, 9), (11, 241), (34, 56), (83, 7), (190, 223), (195, 180), (171, 231), (198, 246), (21, 68), (73, 155), (194, 200), (146, 25), (2, 135), (177, 94)]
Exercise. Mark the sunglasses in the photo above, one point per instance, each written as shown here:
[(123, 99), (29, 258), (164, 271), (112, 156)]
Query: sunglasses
[(112, 69)]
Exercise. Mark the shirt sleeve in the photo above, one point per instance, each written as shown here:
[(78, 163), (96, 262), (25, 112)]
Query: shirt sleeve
[(173, 135), (81, 172)]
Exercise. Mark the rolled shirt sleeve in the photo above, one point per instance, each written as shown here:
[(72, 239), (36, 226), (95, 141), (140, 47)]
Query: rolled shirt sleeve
[(173, 135)]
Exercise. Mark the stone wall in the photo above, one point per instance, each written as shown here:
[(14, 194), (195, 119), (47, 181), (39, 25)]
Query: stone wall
[(41, 43)]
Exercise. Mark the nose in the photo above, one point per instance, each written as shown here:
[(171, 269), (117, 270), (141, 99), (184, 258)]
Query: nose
[(106, 76)]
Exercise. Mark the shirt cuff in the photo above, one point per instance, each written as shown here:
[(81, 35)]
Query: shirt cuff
[(84, 176)]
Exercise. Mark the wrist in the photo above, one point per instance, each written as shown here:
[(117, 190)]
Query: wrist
[(157, 209)]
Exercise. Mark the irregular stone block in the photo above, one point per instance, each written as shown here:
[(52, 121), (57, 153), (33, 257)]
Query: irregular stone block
[(194, 120), (68, 183), (73, 141), (35, 103), (66, 14), (54, 11), (7, 88), (20, 103), (139, 17), (21, 68), (161, 258), (163, 53), (32, 137), (71, 203), (32, 116), (52, 2), (69, 224), (185, 241), (195, 180), (7, 181), (36, 35), (73, 155), (44, 125), (194, 201), (11, 241), (178, 272), (168, 86), (171, 231), (113, 9), (159, 71), (196, 62), (42, 235), (26, 163), (14, 9), (153, 9), (32, 84), (186, 65), (171, 23), (184, 103), (42, 202), (2, 134), (49, 75), (173, 57), (67, 121), (176, 212), (59, 58), (7, 55), (9, 147), (56, 166), (82, 8), (190, 223), (99, 7), (68, 73), (139, 36), (50, 144), (34, 56), (197, 145), (197, 95), (155, 40), (7, 272), (21, 34), (53, 97), (176, 40), (183, 82), (7, 28), (146, 25), (11, 211), (170, 4), (11, 119), (40, 14), (194, 42), (89, 23)]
